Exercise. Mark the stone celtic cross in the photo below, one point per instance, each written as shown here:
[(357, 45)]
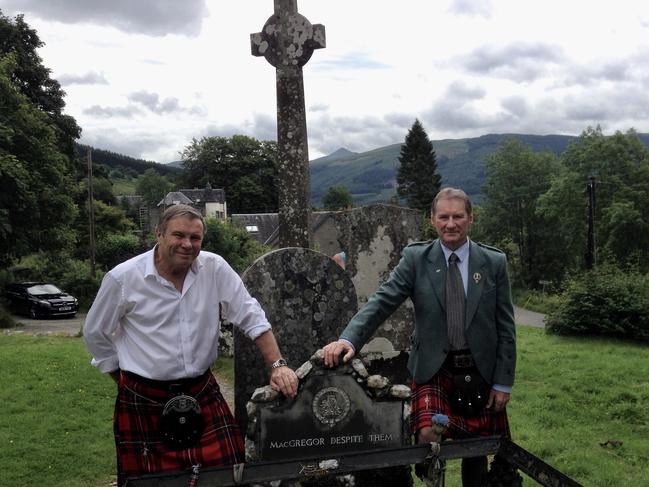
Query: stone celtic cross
[(287, 42)]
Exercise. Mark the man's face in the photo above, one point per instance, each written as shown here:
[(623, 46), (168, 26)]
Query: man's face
[(180, 244), (452, 222)]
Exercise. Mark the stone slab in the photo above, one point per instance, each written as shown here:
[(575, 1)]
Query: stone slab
[(308, 300)]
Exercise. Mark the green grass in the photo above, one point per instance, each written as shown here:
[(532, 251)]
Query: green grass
[(123, 186), (571, 395)]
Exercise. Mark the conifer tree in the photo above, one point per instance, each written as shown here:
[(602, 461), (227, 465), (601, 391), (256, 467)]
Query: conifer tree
[(417, 178)]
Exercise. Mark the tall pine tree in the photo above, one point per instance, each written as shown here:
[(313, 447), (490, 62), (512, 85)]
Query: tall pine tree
[(417, 178)]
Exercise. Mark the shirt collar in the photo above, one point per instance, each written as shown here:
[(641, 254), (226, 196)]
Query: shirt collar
[(151, 270), (462, 252)]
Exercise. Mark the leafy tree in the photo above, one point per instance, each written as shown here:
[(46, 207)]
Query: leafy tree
[(233, 243), (109, 221), (620, 167), (417, 178), (337, 198), (516, 177), (33, 80), (153, 187), (36, 207), (244, 167), (113, 249)]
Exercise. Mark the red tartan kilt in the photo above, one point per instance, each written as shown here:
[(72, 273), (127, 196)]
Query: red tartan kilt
[(140, 450), (433, 398)]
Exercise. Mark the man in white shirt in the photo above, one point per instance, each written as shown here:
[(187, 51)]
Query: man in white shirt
[(154, 328)]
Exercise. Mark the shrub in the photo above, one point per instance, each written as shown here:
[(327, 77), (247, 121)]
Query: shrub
[(115, 248), (604, 301), (6, 321), (233, 243)]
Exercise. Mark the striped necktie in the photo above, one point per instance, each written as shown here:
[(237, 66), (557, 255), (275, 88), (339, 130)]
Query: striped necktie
[(455, 304)]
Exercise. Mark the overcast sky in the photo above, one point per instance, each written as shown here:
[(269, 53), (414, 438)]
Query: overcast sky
[(144, 77)]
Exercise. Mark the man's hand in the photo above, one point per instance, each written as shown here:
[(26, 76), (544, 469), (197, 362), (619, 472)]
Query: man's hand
[(497, 400), (333, 351), (284, 380)]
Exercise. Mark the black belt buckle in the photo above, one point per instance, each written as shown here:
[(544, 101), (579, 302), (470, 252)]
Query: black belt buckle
[(462, 361), (181, 423)]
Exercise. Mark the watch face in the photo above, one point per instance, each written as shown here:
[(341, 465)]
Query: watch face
[(279, 363)]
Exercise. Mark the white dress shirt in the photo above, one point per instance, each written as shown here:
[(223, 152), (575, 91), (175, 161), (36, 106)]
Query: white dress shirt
[(141, 323)]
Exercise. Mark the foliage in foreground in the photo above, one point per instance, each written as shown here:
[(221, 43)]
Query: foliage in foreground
[(605, 301), (571, 397), (233, 243)]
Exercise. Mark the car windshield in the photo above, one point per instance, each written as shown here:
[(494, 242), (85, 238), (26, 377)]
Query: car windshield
[(41, 289)]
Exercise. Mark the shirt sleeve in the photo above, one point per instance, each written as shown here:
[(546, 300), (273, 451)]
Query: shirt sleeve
[(238, 306), (502, 388), (102, 323)]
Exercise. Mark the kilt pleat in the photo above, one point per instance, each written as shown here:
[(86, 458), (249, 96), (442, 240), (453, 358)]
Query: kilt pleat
[(433, 397), (140, 449)]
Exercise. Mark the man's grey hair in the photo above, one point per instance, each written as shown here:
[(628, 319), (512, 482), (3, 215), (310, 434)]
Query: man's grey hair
[(178, 211), (451, 193)]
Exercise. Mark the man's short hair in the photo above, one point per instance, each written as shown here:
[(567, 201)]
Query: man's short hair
[(177, 211), (451, 193)]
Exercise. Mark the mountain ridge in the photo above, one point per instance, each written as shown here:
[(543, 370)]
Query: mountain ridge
[(371, 176)]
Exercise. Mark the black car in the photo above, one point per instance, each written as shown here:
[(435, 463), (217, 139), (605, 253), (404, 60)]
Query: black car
[(37, 299)]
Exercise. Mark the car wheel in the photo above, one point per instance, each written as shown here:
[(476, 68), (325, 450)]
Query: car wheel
[(33, 314)]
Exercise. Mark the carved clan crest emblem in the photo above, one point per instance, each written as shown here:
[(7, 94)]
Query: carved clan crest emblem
[(331, 405)]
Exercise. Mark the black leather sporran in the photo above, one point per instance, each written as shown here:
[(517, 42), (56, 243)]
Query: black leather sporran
[(181, 423)]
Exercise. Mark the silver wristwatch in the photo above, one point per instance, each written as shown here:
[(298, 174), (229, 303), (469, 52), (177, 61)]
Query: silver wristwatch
[(278, 363)]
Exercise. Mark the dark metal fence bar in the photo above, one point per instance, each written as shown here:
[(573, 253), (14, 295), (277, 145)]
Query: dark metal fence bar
[(533, 466), (240, 474)]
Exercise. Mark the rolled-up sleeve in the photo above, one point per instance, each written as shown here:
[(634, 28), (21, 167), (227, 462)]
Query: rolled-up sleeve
[(102, 323), (238, 306)]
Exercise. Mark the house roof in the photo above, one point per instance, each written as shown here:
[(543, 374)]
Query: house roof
[(204, 195), (174, 198), (264, 227), (194, 196)]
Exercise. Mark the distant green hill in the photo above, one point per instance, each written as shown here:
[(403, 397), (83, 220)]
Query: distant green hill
[(371, 176), (115, 160)]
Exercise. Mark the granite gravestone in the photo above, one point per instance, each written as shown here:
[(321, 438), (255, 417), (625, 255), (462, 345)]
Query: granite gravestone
[(336, 411), (308, 299)]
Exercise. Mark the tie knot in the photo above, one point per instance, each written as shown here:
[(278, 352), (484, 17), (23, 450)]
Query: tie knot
[(453, 258)]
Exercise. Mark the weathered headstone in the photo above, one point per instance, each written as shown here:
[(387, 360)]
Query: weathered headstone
[(373, 237), (336, 411), (287, 41), (308, 299)]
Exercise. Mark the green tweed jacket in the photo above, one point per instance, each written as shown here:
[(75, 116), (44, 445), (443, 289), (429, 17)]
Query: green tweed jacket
[(421, 276)]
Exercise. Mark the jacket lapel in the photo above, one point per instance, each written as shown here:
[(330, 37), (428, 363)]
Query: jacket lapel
[(475, 285), (437, 273)]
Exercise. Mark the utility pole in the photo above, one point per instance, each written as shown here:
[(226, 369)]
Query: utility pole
[(590, 249), (91, 217)]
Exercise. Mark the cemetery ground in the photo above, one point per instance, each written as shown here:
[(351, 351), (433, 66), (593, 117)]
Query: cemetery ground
[(579, 403)]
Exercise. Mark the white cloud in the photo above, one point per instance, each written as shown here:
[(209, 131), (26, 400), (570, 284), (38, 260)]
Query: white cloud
[(89, 78), (147, 76), (150, 17)]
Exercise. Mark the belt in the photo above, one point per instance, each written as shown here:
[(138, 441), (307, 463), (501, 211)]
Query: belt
[(460, 359), (175, 385)]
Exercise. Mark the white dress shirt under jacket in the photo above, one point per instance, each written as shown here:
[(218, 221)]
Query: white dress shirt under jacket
[(141, 323)]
